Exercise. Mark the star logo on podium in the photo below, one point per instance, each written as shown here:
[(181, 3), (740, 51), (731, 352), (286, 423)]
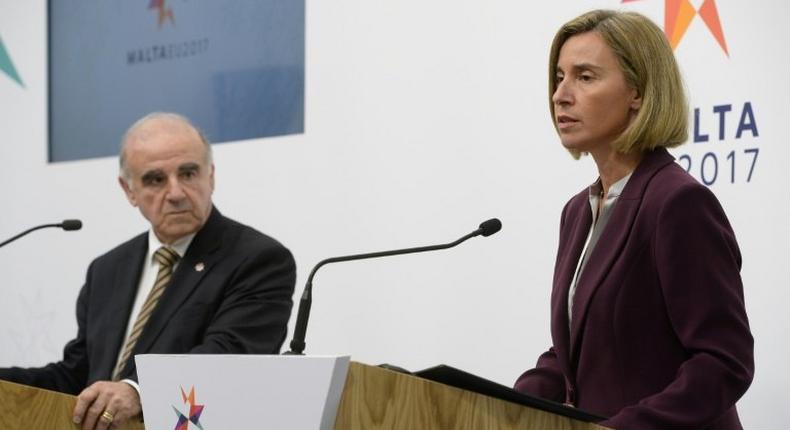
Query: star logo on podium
[(678, 15), (193, 413)]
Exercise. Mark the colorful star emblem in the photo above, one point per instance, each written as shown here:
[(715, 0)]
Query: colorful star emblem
[(7, 67), (194, 411), (164, 11), (678, 15)]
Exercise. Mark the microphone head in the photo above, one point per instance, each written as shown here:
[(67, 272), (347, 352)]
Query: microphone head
[(487, 228), (71, 224)]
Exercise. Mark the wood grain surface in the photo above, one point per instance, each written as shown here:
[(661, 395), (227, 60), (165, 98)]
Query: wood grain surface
[(376, 398), (29, 408)]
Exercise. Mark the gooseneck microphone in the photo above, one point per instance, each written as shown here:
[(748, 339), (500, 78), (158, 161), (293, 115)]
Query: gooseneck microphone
[(67, 224), (487, 228)]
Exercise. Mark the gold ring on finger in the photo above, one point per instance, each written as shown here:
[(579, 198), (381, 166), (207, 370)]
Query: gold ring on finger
[(108, 416)]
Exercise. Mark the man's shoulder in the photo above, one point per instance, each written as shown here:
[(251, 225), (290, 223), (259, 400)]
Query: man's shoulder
[(245, 236), (132, 246), (233, 238)]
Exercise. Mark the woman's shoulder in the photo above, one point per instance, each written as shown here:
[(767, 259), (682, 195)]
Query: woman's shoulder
[(672, 182), (672, 192)]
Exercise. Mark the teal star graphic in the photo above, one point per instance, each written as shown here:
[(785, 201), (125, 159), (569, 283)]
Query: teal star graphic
[(7, 66)]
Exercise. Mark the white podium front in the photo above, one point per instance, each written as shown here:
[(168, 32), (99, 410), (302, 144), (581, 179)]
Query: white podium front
[(213, 392)]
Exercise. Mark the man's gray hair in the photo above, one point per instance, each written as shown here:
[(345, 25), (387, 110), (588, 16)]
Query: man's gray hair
[(157, 116)]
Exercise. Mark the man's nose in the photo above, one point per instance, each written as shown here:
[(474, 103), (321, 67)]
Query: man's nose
[(175, 190)]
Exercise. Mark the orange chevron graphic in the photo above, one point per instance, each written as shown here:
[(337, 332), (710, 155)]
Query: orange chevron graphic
[(190, 398), (678, 15), (164, 11)]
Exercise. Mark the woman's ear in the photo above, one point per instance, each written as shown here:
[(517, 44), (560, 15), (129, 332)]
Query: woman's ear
[(636, 101)]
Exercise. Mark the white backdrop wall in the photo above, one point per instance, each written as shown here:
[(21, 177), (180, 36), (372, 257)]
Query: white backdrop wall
[(422, 119)]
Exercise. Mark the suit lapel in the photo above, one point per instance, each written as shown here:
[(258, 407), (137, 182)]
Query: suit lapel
[(600, 262), (578, 220), (120, 297), (612, 241), (192, 268)]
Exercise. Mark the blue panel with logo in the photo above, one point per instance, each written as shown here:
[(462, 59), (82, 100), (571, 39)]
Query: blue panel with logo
[(234, 67)]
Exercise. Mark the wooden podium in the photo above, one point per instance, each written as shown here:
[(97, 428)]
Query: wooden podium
[(376, 398), (28, 408), (373, 398)]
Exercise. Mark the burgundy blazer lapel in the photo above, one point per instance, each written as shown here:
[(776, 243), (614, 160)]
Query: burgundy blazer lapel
[(576, 220), (600, 261), (612, 240)]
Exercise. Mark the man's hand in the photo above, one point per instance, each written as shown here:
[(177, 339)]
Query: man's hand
[(105, 405)]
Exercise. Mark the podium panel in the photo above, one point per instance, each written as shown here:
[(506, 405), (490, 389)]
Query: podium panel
[(240, 391)]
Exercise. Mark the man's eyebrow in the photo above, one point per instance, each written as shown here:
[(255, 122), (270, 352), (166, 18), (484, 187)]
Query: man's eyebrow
[(189, 167), (151, 174)]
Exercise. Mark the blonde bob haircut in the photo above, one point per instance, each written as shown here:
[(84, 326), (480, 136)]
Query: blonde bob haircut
[(649, 66)]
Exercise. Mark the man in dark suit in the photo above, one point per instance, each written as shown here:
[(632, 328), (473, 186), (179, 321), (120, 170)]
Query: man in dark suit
[(217, 286)]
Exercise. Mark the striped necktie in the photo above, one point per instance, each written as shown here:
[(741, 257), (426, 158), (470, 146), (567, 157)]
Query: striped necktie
[(166, 258)]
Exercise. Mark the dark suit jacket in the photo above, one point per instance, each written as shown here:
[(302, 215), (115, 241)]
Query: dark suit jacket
[(230, 294), (660, 338)]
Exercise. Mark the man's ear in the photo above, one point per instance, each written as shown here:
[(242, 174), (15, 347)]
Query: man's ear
[(211, 177), (130, 195)]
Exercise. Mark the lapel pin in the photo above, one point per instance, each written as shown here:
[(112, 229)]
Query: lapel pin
[(199, 267)]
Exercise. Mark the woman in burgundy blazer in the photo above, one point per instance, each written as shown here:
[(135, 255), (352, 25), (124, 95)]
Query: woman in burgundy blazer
[(647, 312)]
